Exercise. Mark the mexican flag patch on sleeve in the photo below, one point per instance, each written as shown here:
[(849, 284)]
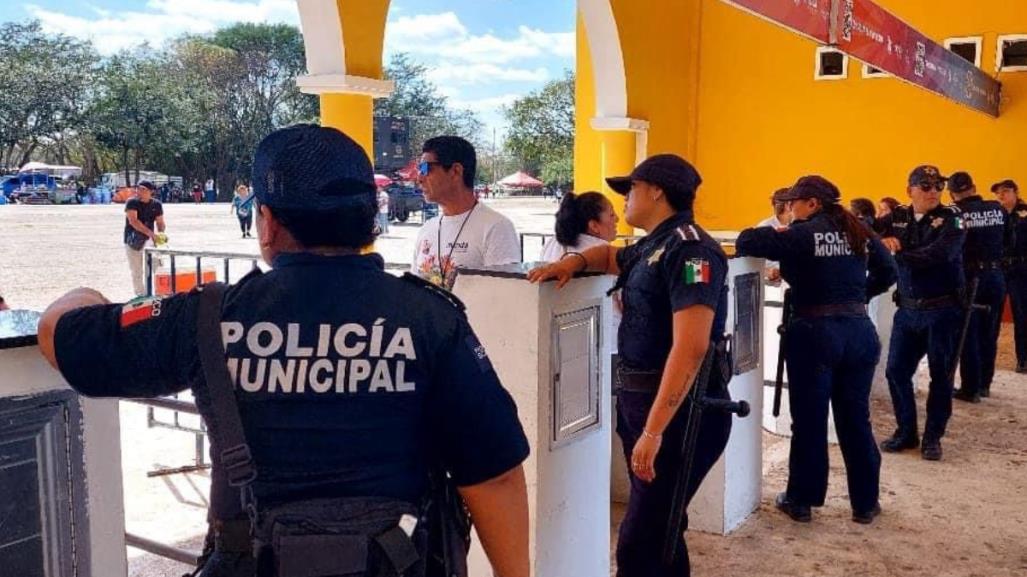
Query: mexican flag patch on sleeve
[(140, 310), (697, 271)]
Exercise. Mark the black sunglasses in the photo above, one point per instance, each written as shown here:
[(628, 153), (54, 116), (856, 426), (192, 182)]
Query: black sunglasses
[(928, 185)]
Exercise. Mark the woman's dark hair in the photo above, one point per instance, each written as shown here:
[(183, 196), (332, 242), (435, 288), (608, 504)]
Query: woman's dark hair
[(350, 227), (863, 208), (891, 202), (576, 211), (856, 232)]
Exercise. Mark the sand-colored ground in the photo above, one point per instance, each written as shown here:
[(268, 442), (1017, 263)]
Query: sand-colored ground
[(963, 517)]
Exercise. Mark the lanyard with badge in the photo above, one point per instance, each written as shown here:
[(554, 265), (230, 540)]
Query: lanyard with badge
[(438, 276)]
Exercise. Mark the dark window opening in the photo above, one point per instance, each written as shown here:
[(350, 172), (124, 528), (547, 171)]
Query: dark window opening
[(966, 50), (871, 71), (832, 63), (1014, 53)]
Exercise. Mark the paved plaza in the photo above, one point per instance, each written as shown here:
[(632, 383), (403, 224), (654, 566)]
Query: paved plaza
[(965, 516)]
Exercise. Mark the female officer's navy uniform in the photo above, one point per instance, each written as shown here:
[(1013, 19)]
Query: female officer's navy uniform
[(1015, 268), (930, 301), (342, 391), (676, 266), (985, 224), (831, 350)]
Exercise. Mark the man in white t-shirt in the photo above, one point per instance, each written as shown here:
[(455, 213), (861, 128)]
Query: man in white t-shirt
[(466, 233), (781, 219)]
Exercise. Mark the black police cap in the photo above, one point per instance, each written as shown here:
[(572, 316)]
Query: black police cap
[(310, 167), (675, 175), (960, 182), (925, 173), (1007, 183), (812, 187)]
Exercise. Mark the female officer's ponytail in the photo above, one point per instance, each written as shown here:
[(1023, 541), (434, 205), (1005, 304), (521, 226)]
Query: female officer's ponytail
[(576, 211), (856, 232)]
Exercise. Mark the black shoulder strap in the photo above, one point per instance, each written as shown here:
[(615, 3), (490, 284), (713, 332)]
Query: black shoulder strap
[(236, 458)]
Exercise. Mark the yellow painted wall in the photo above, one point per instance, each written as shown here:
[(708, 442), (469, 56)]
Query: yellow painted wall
[(764, 121), (587, 144)]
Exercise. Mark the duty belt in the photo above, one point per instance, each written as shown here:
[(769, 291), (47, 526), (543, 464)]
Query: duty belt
[(1014, 261), (983, 266), (636, 381), (834, 310), (927, 304)]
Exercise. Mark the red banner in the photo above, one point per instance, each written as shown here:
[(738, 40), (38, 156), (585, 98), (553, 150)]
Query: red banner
[(877, 37), (866, 31), (808, 17)]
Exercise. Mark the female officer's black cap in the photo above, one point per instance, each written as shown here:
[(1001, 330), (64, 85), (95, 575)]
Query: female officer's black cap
[(309, 167), (668, 171), (813, 187)]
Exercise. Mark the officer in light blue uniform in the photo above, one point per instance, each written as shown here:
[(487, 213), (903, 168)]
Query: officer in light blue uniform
[(834, 265), (927, 240), (985, 224), (350, 382)]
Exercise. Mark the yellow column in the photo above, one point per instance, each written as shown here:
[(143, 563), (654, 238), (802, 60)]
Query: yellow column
[(352, 114), (617, 158)]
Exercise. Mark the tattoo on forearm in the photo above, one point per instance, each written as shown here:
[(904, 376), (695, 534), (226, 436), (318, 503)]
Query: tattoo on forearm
[(676, 398)]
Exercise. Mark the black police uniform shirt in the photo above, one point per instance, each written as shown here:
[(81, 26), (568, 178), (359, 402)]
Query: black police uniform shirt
[(931, 258), (985, 224), (1016, 237), (147, 213), (676, 266), (818, 263), (348, 378)]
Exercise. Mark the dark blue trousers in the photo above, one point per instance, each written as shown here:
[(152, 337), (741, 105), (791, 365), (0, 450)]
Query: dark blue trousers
[(640, 540), (916, 333), (831, 362), (1016, 288), (977, 363)]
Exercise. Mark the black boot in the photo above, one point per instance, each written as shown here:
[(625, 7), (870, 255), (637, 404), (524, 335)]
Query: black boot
[(985, 392), (900, 441), (798, 513), (931, 449), (866, 517), (966, 396)]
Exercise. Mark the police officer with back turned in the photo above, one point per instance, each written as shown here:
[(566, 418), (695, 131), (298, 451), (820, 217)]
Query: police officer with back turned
[(332, 390), (675, 308), (834, 265), (985, 224), (927, 240)]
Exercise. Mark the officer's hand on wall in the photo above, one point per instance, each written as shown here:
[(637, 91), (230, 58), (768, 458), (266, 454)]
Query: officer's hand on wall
[(562, 270), (892, 244)]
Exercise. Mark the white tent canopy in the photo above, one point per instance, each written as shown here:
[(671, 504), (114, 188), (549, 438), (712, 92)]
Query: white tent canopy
[(63, 171)]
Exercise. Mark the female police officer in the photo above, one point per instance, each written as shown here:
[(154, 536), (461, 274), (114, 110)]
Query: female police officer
[(832, 347), (675, 303)]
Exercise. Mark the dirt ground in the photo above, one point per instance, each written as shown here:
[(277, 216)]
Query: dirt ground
[(963, 517)]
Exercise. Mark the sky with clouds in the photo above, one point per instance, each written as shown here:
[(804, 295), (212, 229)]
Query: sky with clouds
[(482, 53)]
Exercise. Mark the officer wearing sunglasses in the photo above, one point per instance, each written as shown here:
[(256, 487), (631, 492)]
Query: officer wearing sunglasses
[(927, 240)]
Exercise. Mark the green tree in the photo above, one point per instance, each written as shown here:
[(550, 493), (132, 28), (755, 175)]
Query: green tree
[(46, 92), (418, 99), (541, 134)]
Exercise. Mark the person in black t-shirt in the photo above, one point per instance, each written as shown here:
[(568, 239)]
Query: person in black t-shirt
[(144, 218)]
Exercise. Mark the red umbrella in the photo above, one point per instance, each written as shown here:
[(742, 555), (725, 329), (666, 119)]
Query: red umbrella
[(521, 179), (409, 172), (382, 180)]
